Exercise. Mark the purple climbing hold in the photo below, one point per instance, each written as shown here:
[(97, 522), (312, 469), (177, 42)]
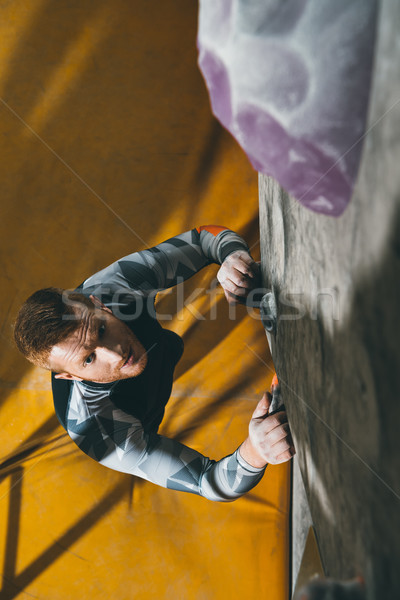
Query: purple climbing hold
[(290, 80)]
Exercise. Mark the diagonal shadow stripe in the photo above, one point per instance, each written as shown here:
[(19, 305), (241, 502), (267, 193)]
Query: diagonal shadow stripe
[(31, 443), (44, 450), (14, 511), (13, 585)]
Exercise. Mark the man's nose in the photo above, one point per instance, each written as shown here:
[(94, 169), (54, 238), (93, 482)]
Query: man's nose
[(110, 354)]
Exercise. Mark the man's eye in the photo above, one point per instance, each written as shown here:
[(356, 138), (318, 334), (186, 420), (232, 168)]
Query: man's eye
[(89, 359)]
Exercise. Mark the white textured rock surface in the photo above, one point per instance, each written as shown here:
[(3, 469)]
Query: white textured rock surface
[(290, 80)]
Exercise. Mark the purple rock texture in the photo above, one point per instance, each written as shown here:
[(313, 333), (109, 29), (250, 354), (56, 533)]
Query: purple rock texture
[(290, 80)]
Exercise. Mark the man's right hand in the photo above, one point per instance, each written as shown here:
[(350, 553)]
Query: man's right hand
[(238, 275), (269, 440)]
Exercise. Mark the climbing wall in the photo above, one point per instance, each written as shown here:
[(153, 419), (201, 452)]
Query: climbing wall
[(335, 343)]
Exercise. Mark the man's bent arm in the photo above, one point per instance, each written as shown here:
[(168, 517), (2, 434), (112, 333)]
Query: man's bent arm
[(170, 262), (117, 440)]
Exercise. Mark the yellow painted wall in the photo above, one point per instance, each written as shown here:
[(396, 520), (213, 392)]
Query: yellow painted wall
[(108, 146)]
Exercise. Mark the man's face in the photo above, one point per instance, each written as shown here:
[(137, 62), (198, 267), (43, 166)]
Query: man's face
[(102, 349)]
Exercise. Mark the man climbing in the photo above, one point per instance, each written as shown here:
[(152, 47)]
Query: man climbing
[(112, 366)]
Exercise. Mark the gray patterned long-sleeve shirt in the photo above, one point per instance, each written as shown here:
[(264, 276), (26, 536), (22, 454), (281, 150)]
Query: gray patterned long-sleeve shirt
[(116, 423)]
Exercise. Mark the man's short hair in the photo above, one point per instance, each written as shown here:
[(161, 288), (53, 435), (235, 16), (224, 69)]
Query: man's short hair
[(45, 319)]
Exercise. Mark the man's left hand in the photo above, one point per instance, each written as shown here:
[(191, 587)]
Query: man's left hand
[(238, 275)]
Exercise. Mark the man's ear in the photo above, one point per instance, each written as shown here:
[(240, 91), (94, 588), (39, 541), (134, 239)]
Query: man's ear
[(67, 376), (98, 303)]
